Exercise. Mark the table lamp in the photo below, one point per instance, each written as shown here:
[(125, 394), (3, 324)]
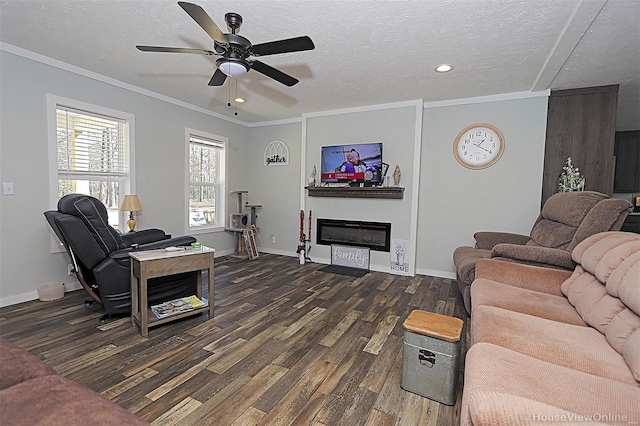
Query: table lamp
[(131, 204)]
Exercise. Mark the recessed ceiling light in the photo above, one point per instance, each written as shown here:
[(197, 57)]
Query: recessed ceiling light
[(444, 68), (240, 100)]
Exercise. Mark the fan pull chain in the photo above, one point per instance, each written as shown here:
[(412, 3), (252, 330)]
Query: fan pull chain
[(229, 103), (236, 97)]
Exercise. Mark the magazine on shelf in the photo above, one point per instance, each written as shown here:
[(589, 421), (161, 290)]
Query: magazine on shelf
[(177, 306)]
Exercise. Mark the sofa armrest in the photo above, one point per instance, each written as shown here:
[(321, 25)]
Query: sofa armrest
[(145, 236), (535, 255), (18, 365), (487, 240), (536, 278), (493, 408)]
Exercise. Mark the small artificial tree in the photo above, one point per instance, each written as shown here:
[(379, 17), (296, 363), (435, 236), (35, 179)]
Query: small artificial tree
[(570, 179)]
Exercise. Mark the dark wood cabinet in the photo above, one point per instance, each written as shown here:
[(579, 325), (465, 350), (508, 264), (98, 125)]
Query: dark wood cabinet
[(581, 125), (627, 153)]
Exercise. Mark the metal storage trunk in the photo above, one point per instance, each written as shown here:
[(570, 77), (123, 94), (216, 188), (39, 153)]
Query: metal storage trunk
[(430, 367), (431, 356)]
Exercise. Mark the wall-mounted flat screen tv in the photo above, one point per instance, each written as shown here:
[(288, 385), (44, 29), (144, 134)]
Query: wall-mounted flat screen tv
[(352, 163)]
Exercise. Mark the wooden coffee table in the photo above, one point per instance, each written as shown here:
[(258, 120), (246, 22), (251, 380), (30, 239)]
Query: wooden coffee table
[(159, 263)]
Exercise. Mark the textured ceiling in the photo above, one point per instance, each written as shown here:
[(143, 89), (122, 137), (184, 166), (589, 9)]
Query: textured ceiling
[(367, 52)]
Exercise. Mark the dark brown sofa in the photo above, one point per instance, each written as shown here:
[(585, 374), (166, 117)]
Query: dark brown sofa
[(32, 393), (566, 219)]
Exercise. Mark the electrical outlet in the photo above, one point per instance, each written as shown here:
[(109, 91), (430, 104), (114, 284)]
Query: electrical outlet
[(273, 239), (69, 269)]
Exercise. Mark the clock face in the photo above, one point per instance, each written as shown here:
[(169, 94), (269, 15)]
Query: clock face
[(478, 146)]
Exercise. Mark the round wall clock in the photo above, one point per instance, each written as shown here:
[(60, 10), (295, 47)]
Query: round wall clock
[(478, 146)]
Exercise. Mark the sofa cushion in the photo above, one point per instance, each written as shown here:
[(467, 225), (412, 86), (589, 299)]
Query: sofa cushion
[(629, 288), (622, 274), (600, 256), (561, 216), (591, 300), (570, 208), (530, 302), (55, 400), (94, 214), (631, 353), (465, 258), (551, 341), (548, 233), (501, 370), (606, 215), (17, 365), (605, 289), (492, 408)]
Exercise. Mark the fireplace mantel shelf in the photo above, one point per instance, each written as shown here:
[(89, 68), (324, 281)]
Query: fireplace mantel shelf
[(356, 192)]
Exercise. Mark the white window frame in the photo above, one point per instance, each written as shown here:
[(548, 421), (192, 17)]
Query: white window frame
[(128, 184), (221, 204)]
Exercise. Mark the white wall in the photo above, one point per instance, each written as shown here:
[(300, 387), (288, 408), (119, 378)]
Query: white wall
[(27, 261), (451, 204), (455, 201), (275, 187), (395, 127)]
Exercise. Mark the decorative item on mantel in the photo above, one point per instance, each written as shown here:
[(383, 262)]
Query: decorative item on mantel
[(397, 175), (312, 178), (570, 179)]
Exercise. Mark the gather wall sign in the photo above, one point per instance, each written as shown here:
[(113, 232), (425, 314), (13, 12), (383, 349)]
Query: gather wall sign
[(276, 154)]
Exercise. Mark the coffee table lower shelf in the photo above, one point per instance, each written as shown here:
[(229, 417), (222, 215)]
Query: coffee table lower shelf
[(153, 320)]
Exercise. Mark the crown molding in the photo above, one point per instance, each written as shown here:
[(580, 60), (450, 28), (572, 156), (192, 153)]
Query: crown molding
[(488, 98), (363, 108), (108, 80)]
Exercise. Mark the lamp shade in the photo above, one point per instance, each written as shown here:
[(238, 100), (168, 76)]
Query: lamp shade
[(131, 204)]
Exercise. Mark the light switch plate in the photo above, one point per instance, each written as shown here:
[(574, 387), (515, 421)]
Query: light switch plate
[(8, 188)]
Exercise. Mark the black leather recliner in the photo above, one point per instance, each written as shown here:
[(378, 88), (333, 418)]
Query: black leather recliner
[(100, 254)]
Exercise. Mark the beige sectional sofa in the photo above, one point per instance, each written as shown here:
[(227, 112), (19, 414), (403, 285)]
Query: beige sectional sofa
[(550, 345)]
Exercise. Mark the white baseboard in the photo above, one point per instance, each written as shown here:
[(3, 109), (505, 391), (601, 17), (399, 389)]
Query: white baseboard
[(436, 273), (75, 285), (33, 295), (220, 253), (276, 251)]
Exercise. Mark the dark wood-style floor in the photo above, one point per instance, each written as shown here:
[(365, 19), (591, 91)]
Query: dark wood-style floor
[(288, 345)]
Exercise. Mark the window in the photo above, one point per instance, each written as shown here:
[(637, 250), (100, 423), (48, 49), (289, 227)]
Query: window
[(206, 180), (92, 154)]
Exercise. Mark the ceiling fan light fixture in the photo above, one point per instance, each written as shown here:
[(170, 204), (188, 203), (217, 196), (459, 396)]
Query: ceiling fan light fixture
[(240, 100), (443, 68), (232, 67)]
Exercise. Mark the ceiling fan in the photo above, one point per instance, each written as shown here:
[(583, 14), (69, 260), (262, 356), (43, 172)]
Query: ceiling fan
[(235, 51)]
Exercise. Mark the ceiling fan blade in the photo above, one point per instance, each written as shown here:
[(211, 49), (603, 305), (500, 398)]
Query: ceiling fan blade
[(275, 74), (218, 78), (200, 16), (296, 44), (175, 50)]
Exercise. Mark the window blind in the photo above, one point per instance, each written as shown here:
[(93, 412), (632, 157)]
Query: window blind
[(206, 142), (90, 144)]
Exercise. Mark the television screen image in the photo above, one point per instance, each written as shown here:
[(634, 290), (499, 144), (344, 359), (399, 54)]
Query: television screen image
[(352, 163)]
